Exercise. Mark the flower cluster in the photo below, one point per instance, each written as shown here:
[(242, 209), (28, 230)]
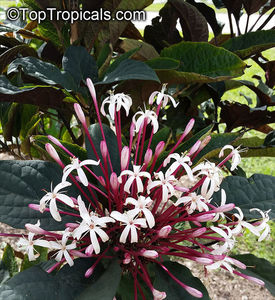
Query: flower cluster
[(148, 206)]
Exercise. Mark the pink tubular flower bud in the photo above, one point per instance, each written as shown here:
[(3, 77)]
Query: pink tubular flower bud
[(194, 148), (34, 206), (52, 152), (103, 149), (114, 182), (148, 253), (80, 114), (203, 218), (72, 226), (189, 127), (203, 260), (204, 142), (78, 253), (148, 156), (89, 250), (124, 157), (254, 279), (159, 148), (224, 208), (158, 295), (55, 141), (164, 231), (91, 88), (35, 228), (198, 232), (193, 292)]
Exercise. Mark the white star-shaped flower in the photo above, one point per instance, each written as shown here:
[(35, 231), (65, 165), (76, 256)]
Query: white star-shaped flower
[(236, 158), (141, 205), (29, 244), (228, 241), (150, 116), (116, 101), (194, 202), (165, 182), (92, 224), (162, 97), (64, 248), (180, 160), (52, 196), (134, 175), (75, 165), (213, 178), (241, 223), (131, 224), (264, 227)]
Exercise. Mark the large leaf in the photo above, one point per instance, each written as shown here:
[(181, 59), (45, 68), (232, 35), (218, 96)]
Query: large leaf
[(164, 282), (193, 23), (205, 59), (256, 191), (251, 43), (38, 95), (34, 283), (9, 260), (105, 287), (111, 140), (43, 71), (236, 114), (259, 268), (80, 64), (22, 183), (130, 69), (252, 6)]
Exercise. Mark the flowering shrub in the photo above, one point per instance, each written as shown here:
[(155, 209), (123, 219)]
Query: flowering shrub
[(136, 209)]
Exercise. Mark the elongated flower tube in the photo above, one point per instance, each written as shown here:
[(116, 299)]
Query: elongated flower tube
[(142, 207)]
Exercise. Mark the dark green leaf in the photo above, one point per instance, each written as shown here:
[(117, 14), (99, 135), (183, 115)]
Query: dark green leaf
[(43, 71), (205, 59), (22, 183), (80, 64), (38, 95), (259, 268), (43, 257), (160, 63), (251, 43), (105, 287), (130, 69), (4, 273), (164, 282), (257, 191), (112, 146), (9, 260)]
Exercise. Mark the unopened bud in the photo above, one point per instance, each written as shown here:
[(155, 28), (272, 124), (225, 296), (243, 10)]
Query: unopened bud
[(204, 217), (149, 253), (80, 114), (127, 258), (198, 232), (52, 152), (203, 260), (205, 142), (114, 182), (124, 157), (238, 263), (193, 292), (35, 228), (34, 206), (78, 253), (194, 148), (189, 126), (148, 156), (55, 141), (91, 88), (254, 279), (224, 208), (159, 148), (103, 149), (164, 231), (72, 226)]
